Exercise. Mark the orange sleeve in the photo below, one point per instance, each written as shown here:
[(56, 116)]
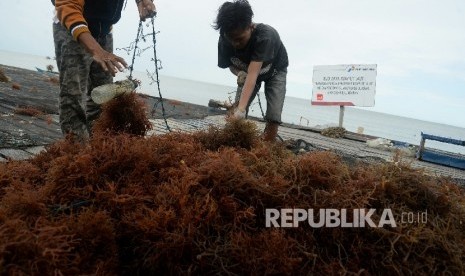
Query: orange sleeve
[(70, 14)]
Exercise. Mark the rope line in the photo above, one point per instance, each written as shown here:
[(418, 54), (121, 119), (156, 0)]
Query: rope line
[(137, 51)]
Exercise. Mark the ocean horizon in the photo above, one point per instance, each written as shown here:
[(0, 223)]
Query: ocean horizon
[(296, 111)]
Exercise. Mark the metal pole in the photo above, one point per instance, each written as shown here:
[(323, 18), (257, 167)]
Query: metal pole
[(341, 115)]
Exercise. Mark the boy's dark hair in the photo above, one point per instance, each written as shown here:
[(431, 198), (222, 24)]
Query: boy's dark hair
[(236, 15)]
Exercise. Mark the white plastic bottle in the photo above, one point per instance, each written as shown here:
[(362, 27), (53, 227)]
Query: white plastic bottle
[(104, 93)]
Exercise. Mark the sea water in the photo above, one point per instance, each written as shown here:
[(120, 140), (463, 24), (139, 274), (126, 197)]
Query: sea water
[(296, 110)]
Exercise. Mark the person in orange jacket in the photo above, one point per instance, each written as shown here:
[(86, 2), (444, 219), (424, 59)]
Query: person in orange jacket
[(82, 33)]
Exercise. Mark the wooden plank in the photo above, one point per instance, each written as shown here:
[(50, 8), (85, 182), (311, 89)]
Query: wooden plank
[(15, 154), (18, 132), (443, 139), (36, 90)]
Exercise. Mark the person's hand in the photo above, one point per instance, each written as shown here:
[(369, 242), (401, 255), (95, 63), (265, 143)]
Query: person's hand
[(241, 76), (239, 113), (109, 62), (146, 9)]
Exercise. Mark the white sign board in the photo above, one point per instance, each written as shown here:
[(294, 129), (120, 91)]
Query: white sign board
[(344, 85)]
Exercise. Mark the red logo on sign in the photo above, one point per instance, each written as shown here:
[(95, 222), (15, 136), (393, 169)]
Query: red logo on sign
[(319, 97)]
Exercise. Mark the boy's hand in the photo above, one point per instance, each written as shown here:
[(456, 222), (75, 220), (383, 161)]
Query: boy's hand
[(146, 9), (239, 113), (241, 76)]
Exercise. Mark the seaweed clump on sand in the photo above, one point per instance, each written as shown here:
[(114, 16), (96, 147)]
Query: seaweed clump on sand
[(3, 77), (334, 132), (124, 114), (236, 134), (196, 203), (28, 111)]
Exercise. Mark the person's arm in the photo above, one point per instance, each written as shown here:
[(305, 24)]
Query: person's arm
[(70, 14), (241, 75), (249, 85), (146, 9), (234, 70), (108, 61)]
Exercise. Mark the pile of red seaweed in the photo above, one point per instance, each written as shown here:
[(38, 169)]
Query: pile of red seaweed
[(195, 204)]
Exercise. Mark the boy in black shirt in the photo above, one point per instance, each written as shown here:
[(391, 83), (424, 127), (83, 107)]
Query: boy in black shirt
[(255, 54)]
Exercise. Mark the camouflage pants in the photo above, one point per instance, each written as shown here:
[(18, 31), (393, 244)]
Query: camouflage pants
[(79, 74)]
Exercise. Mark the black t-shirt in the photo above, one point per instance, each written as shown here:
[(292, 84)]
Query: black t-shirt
[(264, 45)]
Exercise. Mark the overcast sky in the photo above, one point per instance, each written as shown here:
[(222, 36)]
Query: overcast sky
[(418, 46)]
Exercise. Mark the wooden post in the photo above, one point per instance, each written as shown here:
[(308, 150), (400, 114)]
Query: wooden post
[(421, 147), (301, 117), (341, 115)]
